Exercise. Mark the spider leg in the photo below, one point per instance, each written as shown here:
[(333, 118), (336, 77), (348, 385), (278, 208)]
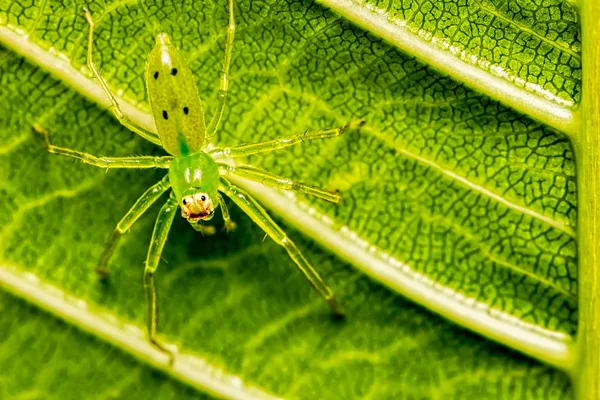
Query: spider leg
[(159, 237), (224, 86), (137, 210), (105, 162), (262, 219), (281, 143), (269, 179), (126, 122)]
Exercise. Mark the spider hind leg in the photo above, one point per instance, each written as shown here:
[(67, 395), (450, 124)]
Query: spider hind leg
[(258, 214)]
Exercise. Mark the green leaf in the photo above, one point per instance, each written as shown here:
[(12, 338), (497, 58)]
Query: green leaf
[(450, 198)]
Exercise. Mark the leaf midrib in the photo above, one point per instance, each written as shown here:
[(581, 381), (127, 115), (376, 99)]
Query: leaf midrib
[(550, 347)]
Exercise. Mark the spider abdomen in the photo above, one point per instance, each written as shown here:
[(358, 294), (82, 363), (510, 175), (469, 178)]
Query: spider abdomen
[(176, 105)]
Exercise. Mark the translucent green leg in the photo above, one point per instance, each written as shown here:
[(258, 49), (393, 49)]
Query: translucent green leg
[(224, 87), (262, 219), (141, 205), (269, 179), (105, 162), (159, 237), (126, 122), (229, 224), (278, 144)]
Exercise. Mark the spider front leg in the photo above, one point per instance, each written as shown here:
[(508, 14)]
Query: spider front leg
[(126, 122), (262, 219), (104, 162), (137, 210), (159, 237), (269, 179), (224, 86), (281, 143)]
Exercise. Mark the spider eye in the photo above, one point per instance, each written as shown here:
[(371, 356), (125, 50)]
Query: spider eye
[(203, 198), (185, 201)]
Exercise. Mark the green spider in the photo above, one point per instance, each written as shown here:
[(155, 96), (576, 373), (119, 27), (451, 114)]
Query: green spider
[(196, 175)]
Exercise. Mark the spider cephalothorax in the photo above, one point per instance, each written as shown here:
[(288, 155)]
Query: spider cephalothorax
[(195, 182)]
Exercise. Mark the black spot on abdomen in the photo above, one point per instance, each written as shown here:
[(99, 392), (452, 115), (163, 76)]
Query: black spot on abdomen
[(156, 75), (165, 115), (186, 110), (174, 71)]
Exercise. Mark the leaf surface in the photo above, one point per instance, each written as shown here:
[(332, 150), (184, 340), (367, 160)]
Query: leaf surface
[(54, 349), (456, 201)]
